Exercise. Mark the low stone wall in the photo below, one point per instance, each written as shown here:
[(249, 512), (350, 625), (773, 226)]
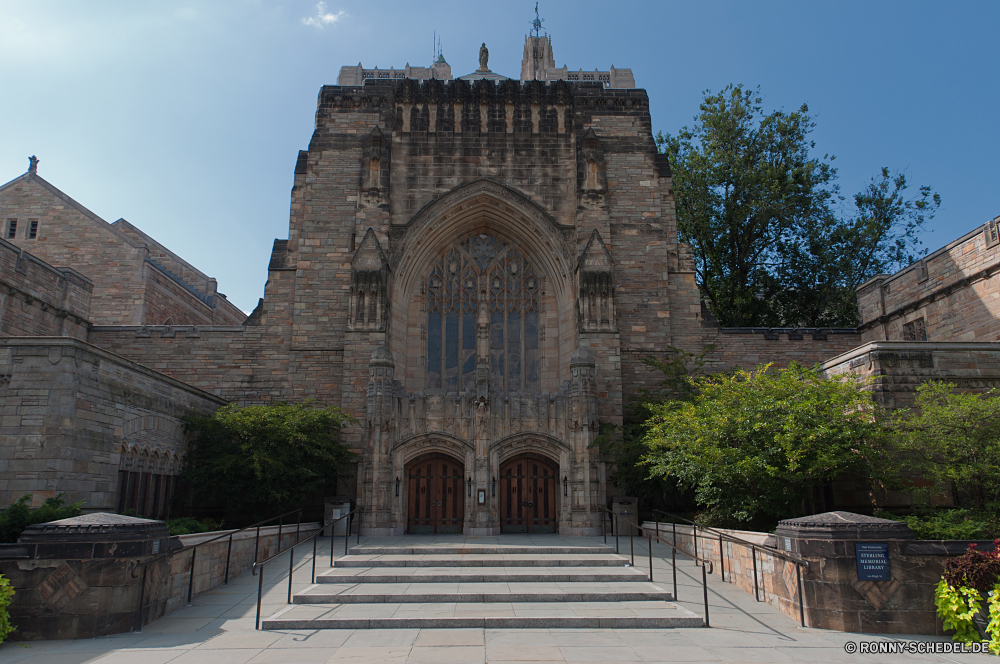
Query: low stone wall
[(833, 595), (164, 595)]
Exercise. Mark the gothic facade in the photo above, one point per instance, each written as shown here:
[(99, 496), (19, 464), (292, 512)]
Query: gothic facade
[(475, 268)]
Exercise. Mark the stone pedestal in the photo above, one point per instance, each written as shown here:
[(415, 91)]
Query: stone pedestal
[(80, 577), (837, 596)]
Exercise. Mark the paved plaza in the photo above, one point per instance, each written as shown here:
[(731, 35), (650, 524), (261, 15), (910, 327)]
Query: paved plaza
[(219, 629)]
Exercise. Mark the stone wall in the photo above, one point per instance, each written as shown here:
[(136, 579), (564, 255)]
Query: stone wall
[(37, 299), (750, 347), (953, 294), (69, 410)]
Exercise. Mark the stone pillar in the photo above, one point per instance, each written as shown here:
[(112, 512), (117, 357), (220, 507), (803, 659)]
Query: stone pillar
[(377, 479), (79, 578), (837, 595), (484, 520), (584, 474)]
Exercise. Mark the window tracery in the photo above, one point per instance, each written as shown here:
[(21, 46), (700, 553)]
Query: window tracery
[(483, 270)]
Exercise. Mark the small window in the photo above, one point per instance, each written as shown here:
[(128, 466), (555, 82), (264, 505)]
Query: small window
[(11, 229), (32, 229)]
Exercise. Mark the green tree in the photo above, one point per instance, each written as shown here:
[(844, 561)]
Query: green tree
[(953, 440), (259, 460), (753, 445), (19, 515), (758, 212)]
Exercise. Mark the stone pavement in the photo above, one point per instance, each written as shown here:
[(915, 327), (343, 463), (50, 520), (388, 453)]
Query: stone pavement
[(219, 629)]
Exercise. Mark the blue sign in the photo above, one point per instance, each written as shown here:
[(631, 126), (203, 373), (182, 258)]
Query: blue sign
[(873, 561)]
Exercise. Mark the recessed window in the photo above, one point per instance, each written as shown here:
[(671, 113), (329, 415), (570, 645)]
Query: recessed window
[(32, 229), (915, 330), (11, 229)]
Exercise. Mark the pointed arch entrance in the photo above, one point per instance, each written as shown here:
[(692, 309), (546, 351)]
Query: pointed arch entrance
[(529, 495), (435, 496)]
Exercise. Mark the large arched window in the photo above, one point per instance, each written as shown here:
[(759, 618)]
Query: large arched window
[(483, 267)]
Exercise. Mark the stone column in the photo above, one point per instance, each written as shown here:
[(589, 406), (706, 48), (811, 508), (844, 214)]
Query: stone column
[(837, 595), (583, 475), (378, 483)]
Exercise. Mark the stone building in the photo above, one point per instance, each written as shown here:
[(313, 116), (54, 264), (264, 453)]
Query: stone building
[(475, 267)]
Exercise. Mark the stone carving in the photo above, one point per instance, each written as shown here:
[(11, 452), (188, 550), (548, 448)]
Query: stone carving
[(596, 303), (369, 286), (33, 160), (593, 178), (374, 170), (484, 56)]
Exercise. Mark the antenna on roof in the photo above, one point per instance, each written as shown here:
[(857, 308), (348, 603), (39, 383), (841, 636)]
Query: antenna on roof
[(536, 25)]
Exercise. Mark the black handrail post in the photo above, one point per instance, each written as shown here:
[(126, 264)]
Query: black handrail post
[(315, 539), (229, 551), (333, 528), (298, 525), (802, 608), (280, 521), (194, 550), (358, 541), (142, 597), (291, 569), (347, 534), (604, 528), (673, 567), (631, 541), (704, 587), (260, 591), (615, 527), (756, 585), (649, 540), (722, 559), (694, 530), (256, 546), (675, 534)]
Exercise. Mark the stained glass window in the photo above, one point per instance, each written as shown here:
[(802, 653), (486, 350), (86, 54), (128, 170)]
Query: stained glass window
[(510, 287)]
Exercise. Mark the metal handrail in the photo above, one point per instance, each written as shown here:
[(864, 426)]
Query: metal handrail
[(291, 556), (194, 552), (673, 553), (796, 560)]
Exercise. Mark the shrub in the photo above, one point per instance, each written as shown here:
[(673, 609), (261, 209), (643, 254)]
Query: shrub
[(6, 597), (944, 525), (188, 524), (974, 569), (19, 515)]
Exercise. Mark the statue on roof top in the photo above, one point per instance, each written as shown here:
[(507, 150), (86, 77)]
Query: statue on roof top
[(484, 56)]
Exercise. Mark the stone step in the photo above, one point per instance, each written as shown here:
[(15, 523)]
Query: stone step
[(588, 615), (469, 593), (482, 560), (497, 549), (482, 575)]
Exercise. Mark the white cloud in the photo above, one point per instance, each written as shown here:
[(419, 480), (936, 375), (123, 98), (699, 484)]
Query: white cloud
[(323, 17)]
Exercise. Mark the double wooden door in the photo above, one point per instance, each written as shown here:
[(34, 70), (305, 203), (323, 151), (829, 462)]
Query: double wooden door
[(436, 499), (528, 496)]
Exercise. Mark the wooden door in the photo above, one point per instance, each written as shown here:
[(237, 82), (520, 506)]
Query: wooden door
[(528, 496), (436, 499)]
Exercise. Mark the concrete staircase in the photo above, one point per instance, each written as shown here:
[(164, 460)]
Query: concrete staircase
[(433, 582)]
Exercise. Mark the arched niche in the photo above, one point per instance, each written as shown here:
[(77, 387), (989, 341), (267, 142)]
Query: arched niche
[(482, 208)]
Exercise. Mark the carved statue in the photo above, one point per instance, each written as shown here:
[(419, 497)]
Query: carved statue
[(33, 160), (484, 56)]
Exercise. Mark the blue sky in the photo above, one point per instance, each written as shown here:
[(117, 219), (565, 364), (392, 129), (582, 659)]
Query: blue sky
[(186, 117)]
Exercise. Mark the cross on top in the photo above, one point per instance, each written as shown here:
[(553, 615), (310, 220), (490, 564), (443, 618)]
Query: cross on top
[(537, 23)]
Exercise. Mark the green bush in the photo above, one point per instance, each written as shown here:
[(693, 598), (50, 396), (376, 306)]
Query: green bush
[(956, 524), (19, 515), (6, 597), (187, 525)]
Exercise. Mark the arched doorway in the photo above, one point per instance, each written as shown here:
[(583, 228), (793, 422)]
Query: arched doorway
[(435, 499), (528, 495)]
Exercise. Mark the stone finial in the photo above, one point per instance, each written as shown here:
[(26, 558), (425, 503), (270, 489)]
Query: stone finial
[(32, 164), (582, 355), (382, 356)]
